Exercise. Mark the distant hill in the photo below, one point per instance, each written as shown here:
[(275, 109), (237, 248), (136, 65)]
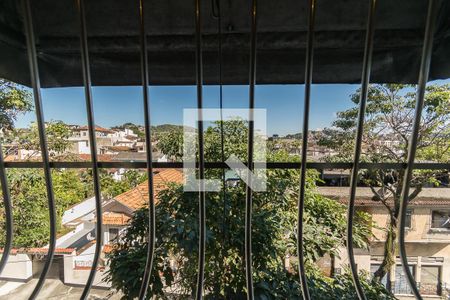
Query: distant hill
[(156, 129), (166, 128)]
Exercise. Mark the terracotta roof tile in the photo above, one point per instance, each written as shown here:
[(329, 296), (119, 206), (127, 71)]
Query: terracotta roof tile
[(138, 197), (39, 250)]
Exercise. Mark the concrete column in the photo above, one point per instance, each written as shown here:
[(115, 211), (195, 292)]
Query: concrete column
[(418, 270)]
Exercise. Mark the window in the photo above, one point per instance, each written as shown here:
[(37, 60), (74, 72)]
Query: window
[(113, 234), (430, 278), (401, 283), (440, 219), (408, 219), (374, 268)]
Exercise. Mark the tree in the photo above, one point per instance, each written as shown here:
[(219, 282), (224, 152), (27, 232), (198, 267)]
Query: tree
[(274, 236), (387, 129), (29, 199), (30, 207), (14, 100), (57, 133), (130, 179)]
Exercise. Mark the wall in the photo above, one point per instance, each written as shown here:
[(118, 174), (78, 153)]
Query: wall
[(18, 268), (73, 276), (423, 246)]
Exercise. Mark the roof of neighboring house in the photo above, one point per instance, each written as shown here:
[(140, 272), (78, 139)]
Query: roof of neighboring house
[(97, 128), (138, 197), (78, 210), (39, 250), (36, 157), (131, 137), (119, 148), (365, 196), (114, 218), (124, 141)]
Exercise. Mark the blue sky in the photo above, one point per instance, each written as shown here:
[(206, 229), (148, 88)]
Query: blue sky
[(117, 105)]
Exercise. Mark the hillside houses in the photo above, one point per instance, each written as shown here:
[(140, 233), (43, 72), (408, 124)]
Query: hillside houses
[(108, 141)]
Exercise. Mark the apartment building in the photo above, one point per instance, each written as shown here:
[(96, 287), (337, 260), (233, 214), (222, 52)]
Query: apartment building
[(427, 240)]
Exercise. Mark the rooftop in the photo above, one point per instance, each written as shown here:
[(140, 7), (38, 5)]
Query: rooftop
[(138, 197), (365, 196)]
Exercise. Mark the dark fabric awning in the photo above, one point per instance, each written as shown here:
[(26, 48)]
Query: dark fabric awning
[(282, 28)]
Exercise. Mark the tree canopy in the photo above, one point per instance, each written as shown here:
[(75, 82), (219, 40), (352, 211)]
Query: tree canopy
[(13, 101), (387, 129), (274, 236)]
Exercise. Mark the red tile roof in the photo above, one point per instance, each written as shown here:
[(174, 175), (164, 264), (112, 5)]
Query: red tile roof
[(138, 197), (39, 250)]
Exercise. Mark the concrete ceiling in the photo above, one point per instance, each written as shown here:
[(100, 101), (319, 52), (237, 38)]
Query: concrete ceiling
[(282, 26)]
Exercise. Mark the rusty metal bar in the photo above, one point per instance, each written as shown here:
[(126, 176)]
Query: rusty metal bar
[(8, 213), (93, 146), (35, 82), (367, 64), (249, 200), (201, 165), (148, 144), (414, 139), (301, 198)]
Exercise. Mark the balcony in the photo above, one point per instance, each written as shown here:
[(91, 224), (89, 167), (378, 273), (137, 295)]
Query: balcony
[(210, 149)]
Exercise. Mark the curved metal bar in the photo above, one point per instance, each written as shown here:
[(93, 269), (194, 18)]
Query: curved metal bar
[(249, 200), (35, 82), (420, 97), (367, 64), (8, 213), (217, 15), (201, 167), (148, 144), (301, 197), (93, 146)]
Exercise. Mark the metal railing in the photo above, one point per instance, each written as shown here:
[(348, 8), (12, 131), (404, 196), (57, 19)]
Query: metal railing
[(355, 166), (354, 178)]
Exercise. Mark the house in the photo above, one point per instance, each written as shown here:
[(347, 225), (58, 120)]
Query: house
[(75, 250), (80, 143), (108, 141), (427, 240)]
